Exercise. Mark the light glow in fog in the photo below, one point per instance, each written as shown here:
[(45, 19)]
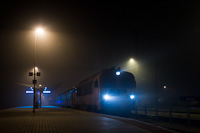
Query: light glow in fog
[(118, 73), (132, 96), (106, 97)]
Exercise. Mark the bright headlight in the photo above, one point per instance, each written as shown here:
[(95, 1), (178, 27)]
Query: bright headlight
[(106, 97), (118, 73), (132, 96)]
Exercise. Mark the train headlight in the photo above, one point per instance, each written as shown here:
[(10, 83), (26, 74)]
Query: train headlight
[(132, 96), (106, 97), (118, 73)]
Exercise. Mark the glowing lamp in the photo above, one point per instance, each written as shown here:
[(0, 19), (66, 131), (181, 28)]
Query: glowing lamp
[(46, 92), (36, 68), (132, 96), (29, 92), (106, 97), (39, 30), (118, 73), (131, 60)]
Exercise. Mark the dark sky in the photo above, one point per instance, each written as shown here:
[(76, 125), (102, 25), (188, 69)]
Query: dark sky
[(83, 38)]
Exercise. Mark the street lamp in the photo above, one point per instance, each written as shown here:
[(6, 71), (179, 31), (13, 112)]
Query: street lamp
[(131, 63), (36, 68), (131, 60), (37, 32)]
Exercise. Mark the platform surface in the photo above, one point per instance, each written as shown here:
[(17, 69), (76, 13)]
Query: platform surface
[(63, 120)]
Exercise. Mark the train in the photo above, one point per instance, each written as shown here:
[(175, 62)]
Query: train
[(110, 90)]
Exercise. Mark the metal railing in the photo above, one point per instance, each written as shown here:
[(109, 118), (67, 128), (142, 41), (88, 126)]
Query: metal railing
[(179, 113)]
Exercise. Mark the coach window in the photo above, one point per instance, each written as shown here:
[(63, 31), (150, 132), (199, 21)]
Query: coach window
[(96, 84), (90, 87), (79, 91), (69, 96), (87, 88)]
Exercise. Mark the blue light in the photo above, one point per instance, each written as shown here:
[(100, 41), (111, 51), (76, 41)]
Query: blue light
[(118, 73), (24, 107), (107, 97), (45, 88), (71, 90), (132, 96), (46, 92), (50, 107), (31, 88), (29, 92)]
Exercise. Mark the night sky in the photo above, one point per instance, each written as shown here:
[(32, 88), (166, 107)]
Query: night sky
[(83, 38)]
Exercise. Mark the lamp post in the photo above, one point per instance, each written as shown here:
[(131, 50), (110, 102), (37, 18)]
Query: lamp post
[(37, 31), (40, 90)]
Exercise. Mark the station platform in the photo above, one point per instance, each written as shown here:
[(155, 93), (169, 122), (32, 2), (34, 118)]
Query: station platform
[(63, 120)]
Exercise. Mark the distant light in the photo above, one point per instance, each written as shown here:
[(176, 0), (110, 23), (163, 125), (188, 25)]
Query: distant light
[(45, 88), (46, 92), (29, 92), (40, 85), (36, 68), (39, 31), (106, 97), (131, 60), (38, 92), (118, 73), (31, 88), (165, 87), (132, 96)]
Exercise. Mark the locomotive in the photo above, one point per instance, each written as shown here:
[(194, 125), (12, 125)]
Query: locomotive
[(110, 90)]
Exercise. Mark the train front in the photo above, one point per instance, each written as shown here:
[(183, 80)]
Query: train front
[(117, 91)]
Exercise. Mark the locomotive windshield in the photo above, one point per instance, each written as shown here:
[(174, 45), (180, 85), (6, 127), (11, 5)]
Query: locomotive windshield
[(117, 84)]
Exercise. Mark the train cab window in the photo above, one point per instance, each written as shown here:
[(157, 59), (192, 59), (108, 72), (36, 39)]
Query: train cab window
[(126, 82), (96, 84)]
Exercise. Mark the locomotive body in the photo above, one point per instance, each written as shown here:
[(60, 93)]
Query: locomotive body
[(109, 89)]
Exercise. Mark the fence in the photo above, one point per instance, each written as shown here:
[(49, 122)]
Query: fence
[(181, 113)]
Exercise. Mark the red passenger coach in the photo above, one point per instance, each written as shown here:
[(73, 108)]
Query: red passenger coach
[(107, 90)]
